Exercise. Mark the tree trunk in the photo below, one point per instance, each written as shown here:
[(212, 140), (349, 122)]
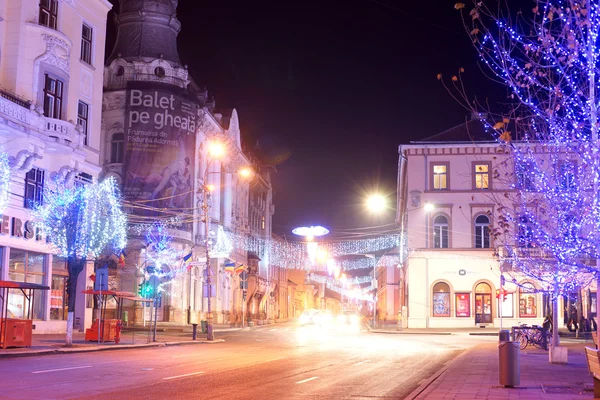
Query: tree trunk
[(75, 266), (555, 340)]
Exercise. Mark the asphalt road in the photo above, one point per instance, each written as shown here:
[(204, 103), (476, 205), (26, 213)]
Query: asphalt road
[(272, 362)]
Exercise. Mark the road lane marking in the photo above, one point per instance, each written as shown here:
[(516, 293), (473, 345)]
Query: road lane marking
[(275, 359), (308, 380), (60, 369), (182, 376), (271, 330), (362, 362)]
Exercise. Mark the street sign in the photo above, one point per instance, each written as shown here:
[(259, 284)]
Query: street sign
[(101, 283)]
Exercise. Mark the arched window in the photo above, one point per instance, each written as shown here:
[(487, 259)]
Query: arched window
[(440, 232), (116, 148), (527, 301), (482, 232), (441, 300), (483, 303)]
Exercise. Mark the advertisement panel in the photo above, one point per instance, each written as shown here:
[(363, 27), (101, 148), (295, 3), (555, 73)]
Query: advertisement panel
[(463, 304), (160, 132)]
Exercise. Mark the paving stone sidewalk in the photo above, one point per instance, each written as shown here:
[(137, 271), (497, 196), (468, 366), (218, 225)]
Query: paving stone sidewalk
[(474, 375)]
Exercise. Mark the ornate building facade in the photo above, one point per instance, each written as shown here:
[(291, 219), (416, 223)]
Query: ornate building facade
[(157, 128), (52, 53)]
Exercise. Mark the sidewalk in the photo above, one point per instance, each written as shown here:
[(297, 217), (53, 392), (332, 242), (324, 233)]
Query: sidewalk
[(474, 375), (130, 338), (392, 329)]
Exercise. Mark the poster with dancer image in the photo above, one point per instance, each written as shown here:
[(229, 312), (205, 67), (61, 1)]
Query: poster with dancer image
[(160, 132)]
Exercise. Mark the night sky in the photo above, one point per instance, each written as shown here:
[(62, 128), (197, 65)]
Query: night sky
[(330, 89)]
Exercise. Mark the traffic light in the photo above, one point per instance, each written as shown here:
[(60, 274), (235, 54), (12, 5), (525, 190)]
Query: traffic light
[(501, 294), (146, 290)]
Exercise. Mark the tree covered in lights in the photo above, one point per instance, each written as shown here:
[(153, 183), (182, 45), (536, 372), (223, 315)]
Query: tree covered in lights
[(82, 222), (547, 56)]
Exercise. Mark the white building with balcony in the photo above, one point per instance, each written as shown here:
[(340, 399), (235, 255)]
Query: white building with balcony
[(447, 197), (51, 59)]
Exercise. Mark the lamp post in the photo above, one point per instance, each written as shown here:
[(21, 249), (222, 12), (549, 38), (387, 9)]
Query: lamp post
[(216, 150)]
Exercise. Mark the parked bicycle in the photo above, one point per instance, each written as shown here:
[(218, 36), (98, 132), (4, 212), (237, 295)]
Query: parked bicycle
[(532, 336)]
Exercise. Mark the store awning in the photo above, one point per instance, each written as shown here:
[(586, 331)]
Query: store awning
[(22, 285)]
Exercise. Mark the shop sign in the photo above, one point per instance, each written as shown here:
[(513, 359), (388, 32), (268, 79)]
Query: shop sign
[(16, 227)]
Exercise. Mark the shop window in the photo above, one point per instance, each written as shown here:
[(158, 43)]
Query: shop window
[(48, 13), (506, 306), (25, 266), (481, 176), (116, 148), (441, 300), (527, 301), (440, 232), (462, 304), (58, 289), (34, 188), (482, 232)]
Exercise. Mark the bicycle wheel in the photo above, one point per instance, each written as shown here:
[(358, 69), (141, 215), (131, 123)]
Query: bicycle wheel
[(522, 338)]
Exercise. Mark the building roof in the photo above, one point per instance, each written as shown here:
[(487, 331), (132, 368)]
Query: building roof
[(470, 131)]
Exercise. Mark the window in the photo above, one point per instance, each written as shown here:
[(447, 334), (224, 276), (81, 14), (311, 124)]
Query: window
[(262, 223), (462, 304), (525, 236), (116, 148), (441, 300), (86, 44), (48, 13), (566, 175), (34, 187), (160, 72), (525, 173), (82, 120), (25, 266), (58, 289), (481, 175), (527, 306), (482, 232), (83, 179), (440, 232), (53, 96), (440, 176)]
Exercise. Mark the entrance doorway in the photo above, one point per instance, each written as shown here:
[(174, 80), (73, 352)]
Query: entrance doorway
[(483, 304)]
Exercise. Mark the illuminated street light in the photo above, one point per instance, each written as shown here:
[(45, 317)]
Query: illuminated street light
[(376, 203), (245, 172), (428, 207), (313, 231), (216, 149)]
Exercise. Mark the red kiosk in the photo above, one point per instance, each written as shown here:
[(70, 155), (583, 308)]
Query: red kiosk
[(17, 332)]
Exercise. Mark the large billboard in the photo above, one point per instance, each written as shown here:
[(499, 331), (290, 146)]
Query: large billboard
[(160, 136)]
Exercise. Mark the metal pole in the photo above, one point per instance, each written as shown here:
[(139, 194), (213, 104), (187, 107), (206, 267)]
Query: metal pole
[(206, 206), (155, 317)]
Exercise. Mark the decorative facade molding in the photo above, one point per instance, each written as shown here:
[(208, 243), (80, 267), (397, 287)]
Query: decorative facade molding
[(51, 57)]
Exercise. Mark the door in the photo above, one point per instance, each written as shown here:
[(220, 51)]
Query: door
[(483, 304)]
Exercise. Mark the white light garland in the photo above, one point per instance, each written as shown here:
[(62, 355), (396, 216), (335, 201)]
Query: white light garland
[(4, 180)]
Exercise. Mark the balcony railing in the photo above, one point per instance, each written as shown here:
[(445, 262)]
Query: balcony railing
[(120, 82), (14, 106), (61, 131)]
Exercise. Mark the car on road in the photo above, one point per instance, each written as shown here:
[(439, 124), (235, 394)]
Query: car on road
[(349, 320), (320, 318)]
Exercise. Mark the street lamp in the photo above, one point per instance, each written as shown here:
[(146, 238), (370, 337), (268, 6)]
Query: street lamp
[(216, 150), (376, 203)]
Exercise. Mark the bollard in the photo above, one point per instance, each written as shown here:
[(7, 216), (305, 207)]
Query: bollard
[(509, 364), (194, 330), (504, 336)]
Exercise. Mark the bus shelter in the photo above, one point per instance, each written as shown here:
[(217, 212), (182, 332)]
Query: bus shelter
[(17, 332), (108, 330)]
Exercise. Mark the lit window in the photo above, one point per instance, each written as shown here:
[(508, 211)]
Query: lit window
[(441, 300), (527, 303), (82, 120), (440, 232), (86, 43), (482, 232), (482, 176), (48, 13), (440, 177)]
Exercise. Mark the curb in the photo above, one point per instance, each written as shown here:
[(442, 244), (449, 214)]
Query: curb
[(424, 386), (95, 349)]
